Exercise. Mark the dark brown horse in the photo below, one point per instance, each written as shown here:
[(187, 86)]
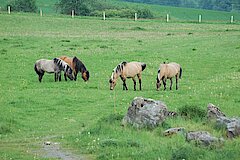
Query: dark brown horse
[(77, 66)]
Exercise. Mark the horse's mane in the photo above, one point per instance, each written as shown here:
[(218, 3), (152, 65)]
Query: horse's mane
[(79, 66), (62, 64), (119, 67)]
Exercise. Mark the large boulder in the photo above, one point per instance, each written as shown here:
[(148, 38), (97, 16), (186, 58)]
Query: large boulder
[(145, 112)]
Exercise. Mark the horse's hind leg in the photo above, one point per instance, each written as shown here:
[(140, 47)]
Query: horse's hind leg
[(140, 81), (134, 82), (170, 83), (40, 77), (176, 83)]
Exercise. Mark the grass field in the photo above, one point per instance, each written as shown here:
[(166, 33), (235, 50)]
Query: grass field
[(84, 117)]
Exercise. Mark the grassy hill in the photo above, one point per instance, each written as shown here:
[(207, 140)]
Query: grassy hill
[(85, 118), (159, 12)]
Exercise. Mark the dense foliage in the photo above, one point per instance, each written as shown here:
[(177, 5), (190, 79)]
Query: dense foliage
[(96, 8), (23, 5), (222, 5)]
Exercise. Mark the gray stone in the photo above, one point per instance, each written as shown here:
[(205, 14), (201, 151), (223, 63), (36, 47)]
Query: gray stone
[(214, 112), (202, 137), (145, 112), (172, 131), (232, 125)]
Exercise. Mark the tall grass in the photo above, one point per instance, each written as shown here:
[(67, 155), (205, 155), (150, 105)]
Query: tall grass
[(86, 117)]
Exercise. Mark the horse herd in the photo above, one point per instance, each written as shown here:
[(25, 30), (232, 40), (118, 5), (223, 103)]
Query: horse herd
[(71, 67)]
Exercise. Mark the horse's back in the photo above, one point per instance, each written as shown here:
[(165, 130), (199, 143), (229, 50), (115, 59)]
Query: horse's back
[(133, 68), (46, 65), (68, 60), (169, 70)]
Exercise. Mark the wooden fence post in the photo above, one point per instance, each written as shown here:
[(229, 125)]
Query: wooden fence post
[(199, 18), (9, 9), (41, 13), (104, 16), (135, 16), (72, 13), (167, 18), (232, 19)]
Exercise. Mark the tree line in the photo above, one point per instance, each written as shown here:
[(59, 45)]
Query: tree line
[(222, 5), (83, 8)]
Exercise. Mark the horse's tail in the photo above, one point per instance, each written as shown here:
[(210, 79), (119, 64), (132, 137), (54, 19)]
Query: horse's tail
[(143, 66), (180, 75), (36, 69)]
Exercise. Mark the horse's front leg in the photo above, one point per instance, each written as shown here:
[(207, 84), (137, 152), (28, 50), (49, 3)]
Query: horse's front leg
[(170, 83), (124, 83), (164, 83), (59, 76), (55, 76), (65, 76)]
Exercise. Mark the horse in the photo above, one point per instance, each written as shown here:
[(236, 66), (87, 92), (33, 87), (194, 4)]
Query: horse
[(55, 65), (77, 66), (168, 71), (127, 70)]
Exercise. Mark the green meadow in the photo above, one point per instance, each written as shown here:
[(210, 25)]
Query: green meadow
[(85, 117)]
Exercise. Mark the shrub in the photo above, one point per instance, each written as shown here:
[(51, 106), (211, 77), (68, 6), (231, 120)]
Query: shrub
[(192, 112), (23, 5)]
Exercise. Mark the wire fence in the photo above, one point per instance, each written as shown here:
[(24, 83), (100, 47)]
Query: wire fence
[(197, 18)]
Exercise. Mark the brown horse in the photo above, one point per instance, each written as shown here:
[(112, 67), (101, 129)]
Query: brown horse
[(77, 66), (168, 71), (127, 70)]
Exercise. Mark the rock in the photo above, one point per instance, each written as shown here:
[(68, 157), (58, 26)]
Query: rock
[(214, 112), (232, 125), (202, 137), (145, 113), (171, 131)]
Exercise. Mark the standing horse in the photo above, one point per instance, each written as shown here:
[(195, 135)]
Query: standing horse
[(168, 71), (52, 66), (127, 70), (77, 66)]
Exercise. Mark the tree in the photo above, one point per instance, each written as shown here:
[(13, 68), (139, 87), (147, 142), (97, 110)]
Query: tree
[(80, 7), (23, 5)]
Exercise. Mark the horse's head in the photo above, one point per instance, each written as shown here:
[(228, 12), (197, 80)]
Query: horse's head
[(85, 75), (112, 83), (158, 84), (69, 73)]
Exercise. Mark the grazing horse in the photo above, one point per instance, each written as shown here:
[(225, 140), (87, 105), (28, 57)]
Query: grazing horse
[(168, 71), (77, 66), (52, 66), (127, 70)]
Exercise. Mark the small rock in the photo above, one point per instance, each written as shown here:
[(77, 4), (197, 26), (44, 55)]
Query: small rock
[(172, 131), (47, 143)]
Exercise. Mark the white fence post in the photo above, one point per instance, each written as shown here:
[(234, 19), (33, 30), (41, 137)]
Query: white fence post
[(135, 16), (232, 19), (9, 9), (199, 18), (167, 18), (104, 16), (41, 13), (72, 13)]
